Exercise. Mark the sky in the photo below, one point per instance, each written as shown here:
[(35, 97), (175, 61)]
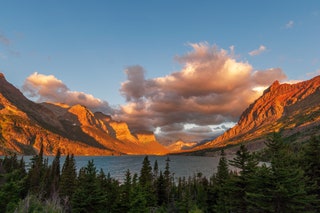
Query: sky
[(183, 69)]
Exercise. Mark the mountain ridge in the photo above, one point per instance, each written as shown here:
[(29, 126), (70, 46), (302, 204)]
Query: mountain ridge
[(25, 125), (289, 108)]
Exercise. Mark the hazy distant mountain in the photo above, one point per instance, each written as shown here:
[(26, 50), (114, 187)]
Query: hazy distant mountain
[(180, 145), (292, 109), (25, 125)]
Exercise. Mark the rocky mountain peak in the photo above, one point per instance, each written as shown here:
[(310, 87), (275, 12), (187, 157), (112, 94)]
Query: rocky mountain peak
[(271, 112), (274, 85)]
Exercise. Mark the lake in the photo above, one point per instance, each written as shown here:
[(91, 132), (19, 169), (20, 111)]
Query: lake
[(180, 166)]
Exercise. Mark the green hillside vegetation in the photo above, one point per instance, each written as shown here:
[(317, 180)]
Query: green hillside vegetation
[(289, 181)]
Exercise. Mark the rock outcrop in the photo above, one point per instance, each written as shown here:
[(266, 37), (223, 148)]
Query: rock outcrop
[(25, 125)]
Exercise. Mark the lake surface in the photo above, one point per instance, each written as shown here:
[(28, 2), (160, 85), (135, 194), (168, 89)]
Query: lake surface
[(180, 166)]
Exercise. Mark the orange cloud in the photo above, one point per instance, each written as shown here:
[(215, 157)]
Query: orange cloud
[(211, 88), (47, 88)]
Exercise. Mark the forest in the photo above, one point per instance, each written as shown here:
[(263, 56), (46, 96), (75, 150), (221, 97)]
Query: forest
[(288, 181)]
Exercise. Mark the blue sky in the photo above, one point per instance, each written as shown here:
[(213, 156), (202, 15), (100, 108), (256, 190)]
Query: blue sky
[(93, 47)]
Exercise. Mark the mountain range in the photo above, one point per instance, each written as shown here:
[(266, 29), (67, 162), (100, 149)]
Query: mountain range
[(25, 126), (292, 109)]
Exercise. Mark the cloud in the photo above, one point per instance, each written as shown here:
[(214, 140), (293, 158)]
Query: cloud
[(172, 127), (211, 88), (264, 78), (47, 88), (258, 51), (193, 134), (289, 24), (313, 74), (221, 127), (133, 89), (4, 40), (8, 48), (200, 129)]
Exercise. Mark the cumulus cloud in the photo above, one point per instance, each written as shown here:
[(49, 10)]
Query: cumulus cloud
[(258, 51), (134, 88), (211, 88), (290, 24), (47, 88)]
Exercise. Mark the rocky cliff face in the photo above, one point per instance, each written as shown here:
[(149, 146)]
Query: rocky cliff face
[(25, 125), (290, 108)]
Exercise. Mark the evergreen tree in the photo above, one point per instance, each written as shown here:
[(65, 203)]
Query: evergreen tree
[(167, 181), (126, 193), (146, 182), (221, 187), (212, 195), (155, 170), (178, 192), (68, 180), (261, 198), (155, 174), (201, 185), (186, 202), (139, 202), (12, 182), (222, 174), (10, 163), (139, 199), (135, 181), (246, 165), (161, 190), (289, 186), (311, 163), (36, 175), (51, 177), (111, 188), (55, 173), (245, 162), (145, 178), (88, 196)]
